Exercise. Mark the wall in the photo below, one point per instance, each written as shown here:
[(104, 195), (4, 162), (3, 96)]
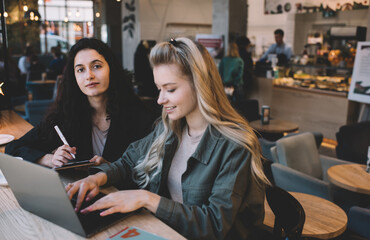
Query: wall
[(162, 19), (238, 16), (261, 27), (130, 19)]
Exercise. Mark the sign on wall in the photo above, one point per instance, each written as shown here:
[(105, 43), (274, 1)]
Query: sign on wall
[(214, 43), (303, 6), (360, 85)]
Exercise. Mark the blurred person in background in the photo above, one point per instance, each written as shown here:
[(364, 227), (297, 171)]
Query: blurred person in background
[(57, 65), (24, 62), (243, 44), (143, 71), (231, 69), (278, 48)]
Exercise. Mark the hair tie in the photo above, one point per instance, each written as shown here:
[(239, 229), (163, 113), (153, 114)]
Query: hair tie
[(173, 42)]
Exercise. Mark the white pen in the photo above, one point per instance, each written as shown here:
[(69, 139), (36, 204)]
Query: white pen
[(63, 138)]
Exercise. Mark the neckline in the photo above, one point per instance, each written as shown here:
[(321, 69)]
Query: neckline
[(193, 137)]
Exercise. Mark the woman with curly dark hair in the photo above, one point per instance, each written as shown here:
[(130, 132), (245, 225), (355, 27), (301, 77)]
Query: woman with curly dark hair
[(96, 110)]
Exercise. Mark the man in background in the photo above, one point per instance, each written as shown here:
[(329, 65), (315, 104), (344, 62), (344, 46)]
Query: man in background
[(279, 48)]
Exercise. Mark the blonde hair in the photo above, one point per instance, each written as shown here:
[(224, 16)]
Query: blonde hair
[(194, 61), (233, 50)]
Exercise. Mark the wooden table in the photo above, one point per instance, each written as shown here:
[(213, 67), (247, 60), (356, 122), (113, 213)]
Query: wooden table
[(352, 177), (11, 123), (275, 126), (40, 89), (16, 223), (324, 219), (275, 129), (43, 82), (20, 108)]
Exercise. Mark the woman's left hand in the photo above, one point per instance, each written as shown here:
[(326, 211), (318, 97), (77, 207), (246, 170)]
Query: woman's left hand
[(125, 201), (98, 160)]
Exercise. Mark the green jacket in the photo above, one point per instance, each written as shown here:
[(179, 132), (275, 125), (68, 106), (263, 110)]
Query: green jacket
[(231, 71), (221, 199)]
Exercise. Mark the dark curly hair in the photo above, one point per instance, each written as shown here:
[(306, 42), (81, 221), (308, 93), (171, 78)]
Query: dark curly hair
[(72, 110)]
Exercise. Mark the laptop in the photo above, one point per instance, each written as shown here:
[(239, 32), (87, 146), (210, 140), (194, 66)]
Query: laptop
[(40, 191)]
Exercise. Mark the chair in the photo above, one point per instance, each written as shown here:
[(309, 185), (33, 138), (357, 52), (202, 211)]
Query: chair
[(40, 90), (56, 86), (359, 221), (248, 108), (353, 141), (266, 146), (34, 75), (298, 167), (36, 109), (289, 214)]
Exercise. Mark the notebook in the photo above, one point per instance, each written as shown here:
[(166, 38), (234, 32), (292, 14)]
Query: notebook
[(134, 233), (40, 191)]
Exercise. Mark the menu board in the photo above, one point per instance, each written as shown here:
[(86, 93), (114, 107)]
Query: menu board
[(284, 6), (360, 85)]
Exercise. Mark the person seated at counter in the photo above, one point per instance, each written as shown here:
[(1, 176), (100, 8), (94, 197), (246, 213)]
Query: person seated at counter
[(200, 170), (278, 48), (95, 109)]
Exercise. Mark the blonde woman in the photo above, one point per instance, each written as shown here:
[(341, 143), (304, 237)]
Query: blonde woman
[(200, 170), (231, 69)]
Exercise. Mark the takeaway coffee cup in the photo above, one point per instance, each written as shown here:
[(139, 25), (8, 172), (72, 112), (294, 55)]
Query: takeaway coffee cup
[(265, 114)]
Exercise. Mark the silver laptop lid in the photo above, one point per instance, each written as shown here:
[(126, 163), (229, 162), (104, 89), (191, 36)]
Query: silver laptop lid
[(39, 190)]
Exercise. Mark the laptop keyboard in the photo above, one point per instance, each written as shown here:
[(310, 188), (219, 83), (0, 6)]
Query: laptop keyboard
[(86, 203), (92, 222)]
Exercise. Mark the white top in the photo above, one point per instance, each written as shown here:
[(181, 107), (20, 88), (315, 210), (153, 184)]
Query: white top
[(179, 163), (98, 140), (24, 65)]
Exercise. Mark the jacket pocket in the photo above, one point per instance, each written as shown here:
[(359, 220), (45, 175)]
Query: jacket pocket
[(197, 195)]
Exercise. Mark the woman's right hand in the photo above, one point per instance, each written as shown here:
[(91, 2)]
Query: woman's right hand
[(62, 155), (89, 185), (58, 158)]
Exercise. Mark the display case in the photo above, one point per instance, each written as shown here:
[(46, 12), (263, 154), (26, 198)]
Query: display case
[(315, 77)]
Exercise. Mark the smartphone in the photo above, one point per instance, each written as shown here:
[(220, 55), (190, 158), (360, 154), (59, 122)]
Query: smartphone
[(74, 165)]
